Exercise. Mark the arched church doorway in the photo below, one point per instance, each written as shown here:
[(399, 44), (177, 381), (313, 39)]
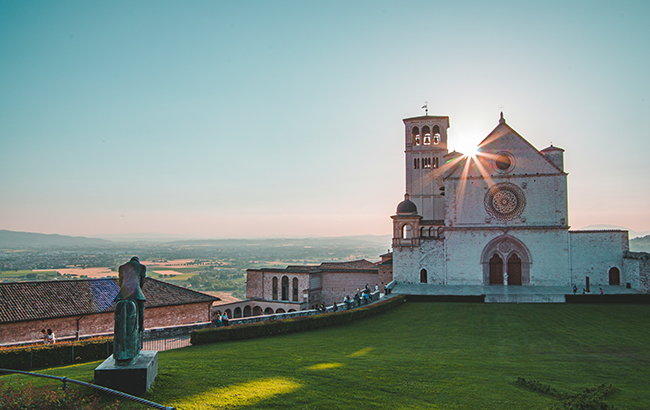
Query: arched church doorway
[(514, 270), (506, 257), (614, 277), (496, 270), (423, 276)]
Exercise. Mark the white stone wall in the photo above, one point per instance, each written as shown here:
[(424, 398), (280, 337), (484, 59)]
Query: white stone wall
[(594, 253), (409, 261), (548, 250)]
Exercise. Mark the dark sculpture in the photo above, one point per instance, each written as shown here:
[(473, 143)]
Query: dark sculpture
[(129, 312)]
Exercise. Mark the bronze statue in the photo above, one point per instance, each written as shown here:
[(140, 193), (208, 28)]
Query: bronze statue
[(129, 312)]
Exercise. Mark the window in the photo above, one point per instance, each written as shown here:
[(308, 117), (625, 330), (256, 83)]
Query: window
[(275, 289), (426, 163), (295, 289), (285, 288), (427, 135), (406, 231), (416, 135), (423, 276), (416, 163)]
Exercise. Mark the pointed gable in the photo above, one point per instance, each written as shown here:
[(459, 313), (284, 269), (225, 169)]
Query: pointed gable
[(504, 152)]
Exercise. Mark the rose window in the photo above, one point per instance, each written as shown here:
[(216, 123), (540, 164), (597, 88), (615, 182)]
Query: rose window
[(505, 201)]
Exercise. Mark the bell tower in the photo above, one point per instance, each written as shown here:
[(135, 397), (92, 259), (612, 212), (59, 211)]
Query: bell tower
[(425, 145)]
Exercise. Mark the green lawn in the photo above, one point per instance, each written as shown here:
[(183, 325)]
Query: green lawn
[(419, 356)]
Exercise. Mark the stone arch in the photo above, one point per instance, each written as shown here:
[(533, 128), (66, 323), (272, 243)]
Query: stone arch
[(279, 310), (515, 260), (236, 312), (257, 311), (406, 231), (268, 311), (247, 311), (614, 276), (292, 310), (228, 313)]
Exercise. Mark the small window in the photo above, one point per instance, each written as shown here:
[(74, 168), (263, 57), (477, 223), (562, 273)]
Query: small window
[(427, 135), (274, 296), (423, 276), (285, 288), (416, 163)]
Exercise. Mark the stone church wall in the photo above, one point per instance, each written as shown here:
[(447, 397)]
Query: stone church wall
[(336, 286), (408, 262), (547, 249), (594, 253)]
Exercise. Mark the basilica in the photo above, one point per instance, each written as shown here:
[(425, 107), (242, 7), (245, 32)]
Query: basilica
[(498, 217)]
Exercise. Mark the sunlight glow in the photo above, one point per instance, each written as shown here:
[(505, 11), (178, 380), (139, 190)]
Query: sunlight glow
[(362, 352), (324, 366), (245, 394)]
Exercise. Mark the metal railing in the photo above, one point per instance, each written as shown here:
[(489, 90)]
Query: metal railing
[(119, 394)]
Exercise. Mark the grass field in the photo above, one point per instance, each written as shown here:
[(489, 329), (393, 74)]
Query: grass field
[(419, 356)]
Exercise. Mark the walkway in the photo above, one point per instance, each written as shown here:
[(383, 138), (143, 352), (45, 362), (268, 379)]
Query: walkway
[(504, 293)]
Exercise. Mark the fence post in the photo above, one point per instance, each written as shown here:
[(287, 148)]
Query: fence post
[(72, 353)]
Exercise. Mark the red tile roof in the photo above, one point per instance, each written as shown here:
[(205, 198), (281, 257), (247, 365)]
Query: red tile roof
[(23, 301)]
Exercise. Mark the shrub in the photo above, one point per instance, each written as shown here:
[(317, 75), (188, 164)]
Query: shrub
[(299, 324), (28, 397), (39, 356), (590, 399)]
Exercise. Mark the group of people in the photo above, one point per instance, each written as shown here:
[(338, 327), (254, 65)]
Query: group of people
[(48, 336), (361, 295), (220, 319)]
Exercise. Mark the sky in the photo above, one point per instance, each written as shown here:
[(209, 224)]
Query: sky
[(224, 119)]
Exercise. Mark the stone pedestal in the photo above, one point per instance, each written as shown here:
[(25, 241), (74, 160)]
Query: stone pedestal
[(135, 378)]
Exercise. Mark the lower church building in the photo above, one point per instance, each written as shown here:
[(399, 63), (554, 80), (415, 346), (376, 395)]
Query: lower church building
[(498, 217)]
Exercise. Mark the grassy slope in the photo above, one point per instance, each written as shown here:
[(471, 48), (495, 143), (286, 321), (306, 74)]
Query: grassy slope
[(437, 356)]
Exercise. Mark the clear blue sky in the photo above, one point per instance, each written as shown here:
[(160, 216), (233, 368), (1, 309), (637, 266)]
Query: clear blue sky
[(265, 118)]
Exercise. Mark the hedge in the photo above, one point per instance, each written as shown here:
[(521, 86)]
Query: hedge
[(28, 358), (299, 324)]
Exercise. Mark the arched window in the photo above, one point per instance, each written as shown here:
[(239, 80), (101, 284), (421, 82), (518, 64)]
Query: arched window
[(416, 136), (423, 276), (295, 289), (237, 312), (274, 296), (285, 288), (406, 231), (247, 311), (257, 311), (436, 135), (427, 135), (432, 232), (268, 311), (423, 232)]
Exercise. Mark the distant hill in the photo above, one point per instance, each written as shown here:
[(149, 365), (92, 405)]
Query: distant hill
[(29, 240), (632, 234), (362, 240), (640, 244)]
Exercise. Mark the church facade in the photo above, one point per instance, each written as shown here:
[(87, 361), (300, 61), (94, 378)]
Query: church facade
[(497, 217)]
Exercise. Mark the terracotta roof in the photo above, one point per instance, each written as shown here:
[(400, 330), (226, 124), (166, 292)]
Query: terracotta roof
[(22, 301), (360, 264)]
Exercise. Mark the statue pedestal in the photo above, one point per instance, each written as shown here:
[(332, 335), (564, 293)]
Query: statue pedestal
[(134, 378)]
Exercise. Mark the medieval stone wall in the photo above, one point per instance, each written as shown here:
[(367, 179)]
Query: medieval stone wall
[(594, 253)]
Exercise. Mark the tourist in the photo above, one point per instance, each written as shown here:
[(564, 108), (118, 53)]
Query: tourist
[(224, 319), (366, 298), (376, 288), (575, 289), (334, 307), (44, 336), (51, 339), (601, 291)]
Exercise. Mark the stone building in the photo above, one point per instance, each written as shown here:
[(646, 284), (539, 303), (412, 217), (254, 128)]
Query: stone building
[(497, 217), (77, 308), (301, 287)]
